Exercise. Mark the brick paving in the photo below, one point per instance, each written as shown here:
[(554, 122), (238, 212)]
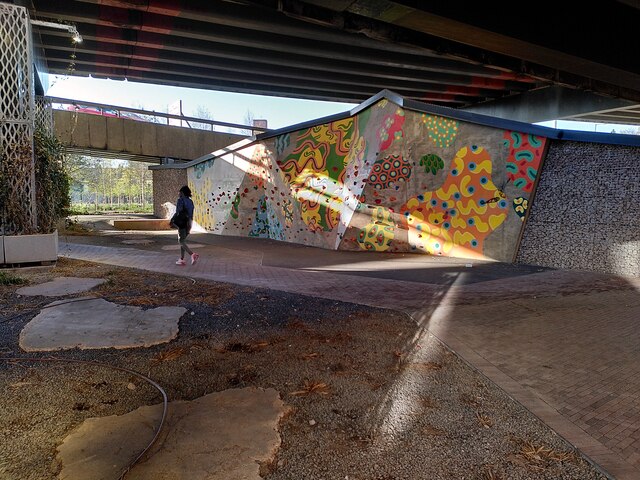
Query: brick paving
[(564, 344)]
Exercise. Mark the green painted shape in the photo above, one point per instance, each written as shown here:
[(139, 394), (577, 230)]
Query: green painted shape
[(234, 206), (431, 163)]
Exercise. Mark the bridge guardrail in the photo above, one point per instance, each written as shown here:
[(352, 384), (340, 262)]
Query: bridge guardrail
[(145, 115)]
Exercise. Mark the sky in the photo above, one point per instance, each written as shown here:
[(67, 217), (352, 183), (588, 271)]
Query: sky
[(223, 106), (232, 107)]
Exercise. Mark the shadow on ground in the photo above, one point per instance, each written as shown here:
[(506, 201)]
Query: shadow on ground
[(372, 392)]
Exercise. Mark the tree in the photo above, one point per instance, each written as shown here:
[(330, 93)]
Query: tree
[(75, 165), (148, 118), (248, 120), (630, 131), (204, 113)]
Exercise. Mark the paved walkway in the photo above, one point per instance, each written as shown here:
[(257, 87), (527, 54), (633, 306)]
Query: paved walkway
[(562, 343)]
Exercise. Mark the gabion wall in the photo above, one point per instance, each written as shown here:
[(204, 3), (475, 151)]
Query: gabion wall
[(17, 182), (166, 184), (585, 214)]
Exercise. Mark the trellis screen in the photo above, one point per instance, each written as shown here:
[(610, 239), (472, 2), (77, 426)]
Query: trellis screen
[(17, 182), (43, 115)]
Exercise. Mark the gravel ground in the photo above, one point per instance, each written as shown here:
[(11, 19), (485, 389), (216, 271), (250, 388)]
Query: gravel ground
[(371, 396)]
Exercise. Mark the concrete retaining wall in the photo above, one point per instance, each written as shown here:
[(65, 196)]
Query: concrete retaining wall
[(166, 185), (586, 211)]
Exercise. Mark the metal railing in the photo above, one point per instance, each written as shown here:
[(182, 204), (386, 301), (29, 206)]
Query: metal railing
[(146, 115)]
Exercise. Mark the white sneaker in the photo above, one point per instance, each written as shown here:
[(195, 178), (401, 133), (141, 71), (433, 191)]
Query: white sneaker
[(194, 258), (181, 262)]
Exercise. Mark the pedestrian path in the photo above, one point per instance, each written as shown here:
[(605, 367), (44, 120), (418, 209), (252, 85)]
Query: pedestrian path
[(562, 343)]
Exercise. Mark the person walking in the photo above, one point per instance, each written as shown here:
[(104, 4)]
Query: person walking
[(183, 219)]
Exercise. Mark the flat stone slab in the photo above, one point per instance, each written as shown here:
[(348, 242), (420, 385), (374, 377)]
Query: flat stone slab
[(89, 322), (61, 286), (222, 435), (147, 224)]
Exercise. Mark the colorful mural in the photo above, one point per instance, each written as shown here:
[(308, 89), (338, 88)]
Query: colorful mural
[(391, 169), (386, 179), (441, 131), (314, 171), (432, 163), (525, 152), (391, 128), (455, 219), (266, 223), (379, 233)]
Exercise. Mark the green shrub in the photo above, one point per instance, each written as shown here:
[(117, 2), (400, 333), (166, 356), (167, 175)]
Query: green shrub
[(15, 211), (52, 182)]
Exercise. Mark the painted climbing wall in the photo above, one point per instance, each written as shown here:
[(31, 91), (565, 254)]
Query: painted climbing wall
[(386, 179)]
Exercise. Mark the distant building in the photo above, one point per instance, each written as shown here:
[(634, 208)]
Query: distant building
[(260, 123)]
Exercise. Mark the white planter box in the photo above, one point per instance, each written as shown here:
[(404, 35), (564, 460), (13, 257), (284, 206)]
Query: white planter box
[(30, 248)]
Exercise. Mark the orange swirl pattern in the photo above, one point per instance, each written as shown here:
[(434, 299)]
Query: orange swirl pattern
[(455, 219)]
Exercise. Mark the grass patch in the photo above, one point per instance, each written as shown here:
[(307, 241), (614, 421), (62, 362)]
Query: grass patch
[(104, 208), (7, 278)]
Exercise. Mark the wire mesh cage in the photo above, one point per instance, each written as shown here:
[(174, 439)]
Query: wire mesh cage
[(17, 180)]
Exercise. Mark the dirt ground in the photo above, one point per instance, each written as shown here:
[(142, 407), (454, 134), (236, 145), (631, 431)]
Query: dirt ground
[(371, 396)]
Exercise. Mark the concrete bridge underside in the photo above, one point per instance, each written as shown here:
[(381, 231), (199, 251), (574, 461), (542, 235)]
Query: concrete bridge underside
[(114, 137)]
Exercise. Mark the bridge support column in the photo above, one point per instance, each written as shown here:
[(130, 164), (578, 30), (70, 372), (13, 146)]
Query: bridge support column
[(17, 112), (166, 184)]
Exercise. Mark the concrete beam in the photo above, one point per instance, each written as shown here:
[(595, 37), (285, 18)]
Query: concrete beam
[(134, 138), (549, 103)]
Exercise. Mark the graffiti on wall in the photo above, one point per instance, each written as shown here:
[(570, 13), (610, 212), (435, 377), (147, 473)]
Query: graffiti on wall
[(386, 179)]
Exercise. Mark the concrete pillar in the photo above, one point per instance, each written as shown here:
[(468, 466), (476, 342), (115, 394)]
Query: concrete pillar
[(166, 184)]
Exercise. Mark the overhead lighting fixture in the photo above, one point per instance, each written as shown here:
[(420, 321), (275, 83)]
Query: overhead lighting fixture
[(75, 35)]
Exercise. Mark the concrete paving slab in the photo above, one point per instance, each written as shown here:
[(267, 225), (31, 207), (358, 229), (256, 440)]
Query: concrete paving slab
[(177, 247), (89, 322), (139, 241), (61, 286), (222, 435)]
